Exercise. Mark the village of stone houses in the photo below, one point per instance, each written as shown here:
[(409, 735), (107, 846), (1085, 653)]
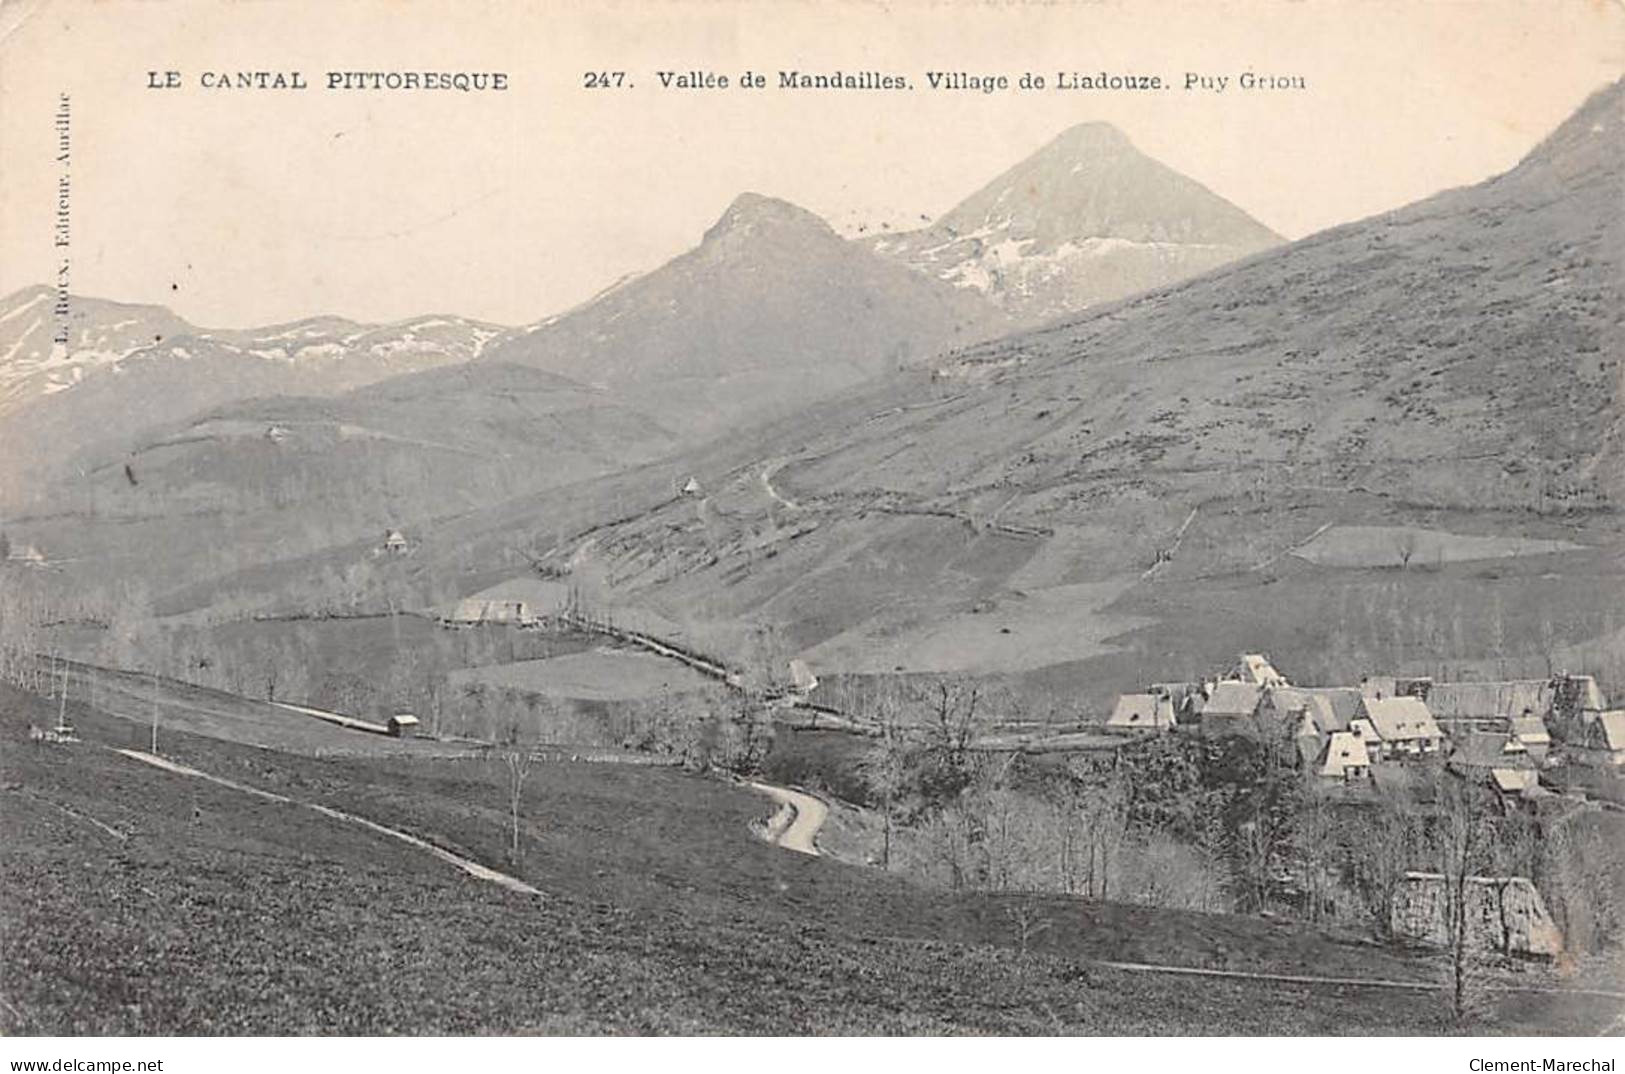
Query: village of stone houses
[(1084, 612)]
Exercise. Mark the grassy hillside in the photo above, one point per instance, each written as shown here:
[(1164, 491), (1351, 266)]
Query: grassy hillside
[(137, 901), (1452, 366)]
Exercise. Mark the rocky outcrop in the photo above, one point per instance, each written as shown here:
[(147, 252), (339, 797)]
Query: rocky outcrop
[(1505, 915)]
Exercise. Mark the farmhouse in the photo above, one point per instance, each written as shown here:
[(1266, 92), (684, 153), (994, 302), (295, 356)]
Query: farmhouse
[(1142, 712), (1403, 726), (1346, 758), (394, 543), (1232, 709), (472, 610)]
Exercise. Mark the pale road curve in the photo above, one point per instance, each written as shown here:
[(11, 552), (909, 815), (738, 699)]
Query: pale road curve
[(807, 816), (768, 470), (467, 865)]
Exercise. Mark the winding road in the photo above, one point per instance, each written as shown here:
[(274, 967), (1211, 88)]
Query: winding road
[(806, 815)]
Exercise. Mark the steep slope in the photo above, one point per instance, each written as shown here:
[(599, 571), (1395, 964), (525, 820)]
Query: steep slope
[(1086, 219), (770, 310), (127, 368), (1456, 362)]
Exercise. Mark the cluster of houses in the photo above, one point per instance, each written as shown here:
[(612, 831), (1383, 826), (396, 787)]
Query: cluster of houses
[(1500, 733)]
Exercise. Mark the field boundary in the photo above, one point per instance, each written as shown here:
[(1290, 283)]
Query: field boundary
[(467, 865)]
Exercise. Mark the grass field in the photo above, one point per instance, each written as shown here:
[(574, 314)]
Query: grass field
[(597, 675), (136, 901)]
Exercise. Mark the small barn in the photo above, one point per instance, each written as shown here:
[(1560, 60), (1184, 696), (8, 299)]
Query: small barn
[(403, 725), (394, 543)]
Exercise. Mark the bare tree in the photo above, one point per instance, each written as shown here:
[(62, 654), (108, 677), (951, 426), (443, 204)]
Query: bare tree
[(1464, 842), (517, 762)]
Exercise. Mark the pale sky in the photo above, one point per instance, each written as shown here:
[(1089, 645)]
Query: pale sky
[(240, 208)]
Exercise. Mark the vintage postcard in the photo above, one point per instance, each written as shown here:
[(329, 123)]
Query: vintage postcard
[(912, 519)]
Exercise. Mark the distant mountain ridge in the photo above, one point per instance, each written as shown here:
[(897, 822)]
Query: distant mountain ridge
[(130, 367), (1086, 219)]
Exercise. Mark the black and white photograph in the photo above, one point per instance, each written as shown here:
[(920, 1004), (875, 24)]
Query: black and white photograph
[(722, 519)]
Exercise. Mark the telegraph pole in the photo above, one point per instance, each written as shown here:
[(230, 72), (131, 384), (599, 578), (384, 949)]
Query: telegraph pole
[(154, 749)]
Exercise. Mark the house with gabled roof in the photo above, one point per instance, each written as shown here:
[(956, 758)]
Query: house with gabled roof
[(1142, 712), (1346, 758), (1488, 706), (1477, 755), (1285, 704), (1403, 726), (1232, 709), (1531, 733), (1603, 744), (1255, 668)]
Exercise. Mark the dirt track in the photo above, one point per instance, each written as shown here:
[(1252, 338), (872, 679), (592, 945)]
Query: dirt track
[(467, 865), (807, 815)]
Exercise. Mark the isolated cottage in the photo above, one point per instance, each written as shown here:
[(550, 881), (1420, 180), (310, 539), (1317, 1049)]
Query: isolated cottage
[(1403, 726), (1142, 712), (472, 610), (403, 725), (394, 543), (691, 487)]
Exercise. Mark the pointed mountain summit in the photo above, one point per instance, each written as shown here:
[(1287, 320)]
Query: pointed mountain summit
[(758, 216), (770, 311), (1086, 219)]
